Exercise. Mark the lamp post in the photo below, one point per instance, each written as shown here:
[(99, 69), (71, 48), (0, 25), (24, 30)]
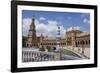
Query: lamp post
[(58, 40)]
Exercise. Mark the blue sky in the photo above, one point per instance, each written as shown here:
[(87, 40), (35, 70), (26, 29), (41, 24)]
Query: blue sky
[(66, 20)]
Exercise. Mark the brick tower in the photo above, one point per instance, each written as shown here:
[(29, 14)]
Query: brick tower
[(32, 39)]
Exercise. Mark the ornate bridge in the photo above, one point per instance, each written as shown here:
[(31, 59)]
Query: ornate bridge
[(31, 55), (77, 51)]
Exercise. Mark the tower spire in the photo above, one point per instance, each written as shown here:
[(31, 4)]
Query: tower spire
[(33, 18), (32, 39)]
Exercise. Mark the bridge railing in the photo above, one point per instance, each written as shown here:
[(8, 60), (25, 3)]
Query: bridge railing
[(30, 55), (33, 55)]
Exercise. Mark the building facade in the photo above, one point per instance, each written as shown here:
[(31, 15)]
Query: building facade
[(74, 38)]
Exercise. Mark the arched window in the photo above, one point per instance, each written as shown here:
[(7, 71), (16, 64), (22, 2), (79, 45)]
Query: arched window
[(83, 43), (86, 42), (76, 44), (89, 41)]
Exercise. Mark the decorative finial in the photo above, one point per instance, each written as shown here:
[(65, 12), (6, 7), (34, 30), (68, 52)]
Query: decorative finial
[(33, 18)]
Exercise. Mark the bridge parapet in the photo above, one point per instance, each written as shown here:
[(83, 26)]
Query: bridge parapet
[(31, 55)]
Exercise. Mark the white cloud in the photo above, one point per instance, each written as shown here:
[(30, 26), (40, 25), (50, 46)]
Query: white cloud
[(49, 29), (75, 28), (37, 22), (42, 18), (41, 29), (26, 25), (52, 22), (86, 21), (52, 26)]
